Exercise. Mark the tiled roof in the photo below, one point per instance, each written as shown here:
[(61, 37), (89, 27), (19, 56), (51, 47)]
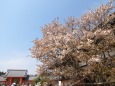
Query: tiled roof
[(2, 78), (16, 73), (31, 77)]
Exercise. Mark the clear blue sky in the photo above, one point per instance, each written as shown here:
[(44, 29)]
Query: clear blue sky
[(20, 24)]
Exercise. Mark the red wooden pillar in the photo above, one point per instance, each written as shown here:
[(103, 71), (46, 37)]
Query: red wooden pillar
[(21, 80), (10, 80)]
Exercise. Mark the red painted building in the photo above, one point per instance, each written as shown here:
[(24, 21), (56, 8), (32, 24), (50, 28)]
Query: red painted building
[(17, 76), (2, 80)]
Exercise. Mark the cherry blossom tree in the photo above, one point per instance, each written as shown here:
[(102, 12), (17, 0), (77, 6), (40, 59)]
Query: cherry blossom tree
[(81, 48)]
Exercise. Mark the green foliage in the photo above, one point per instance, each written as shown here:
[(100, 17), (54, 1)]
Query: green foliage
[(41, 80), (2, 73)]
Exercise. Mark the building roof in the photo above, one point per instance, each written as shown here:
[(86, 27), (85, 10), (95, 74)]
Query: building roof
[(16, 73), (31, 77), (2, 78)]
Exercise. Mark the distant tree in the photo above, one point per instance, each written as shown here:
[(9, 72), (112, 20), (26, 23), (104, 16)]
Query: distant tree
[(2, 73), (82, 48), (41, 80)]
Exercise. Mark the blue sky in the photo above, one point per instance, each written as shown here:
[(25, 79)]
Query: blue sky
[(20, 24)]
